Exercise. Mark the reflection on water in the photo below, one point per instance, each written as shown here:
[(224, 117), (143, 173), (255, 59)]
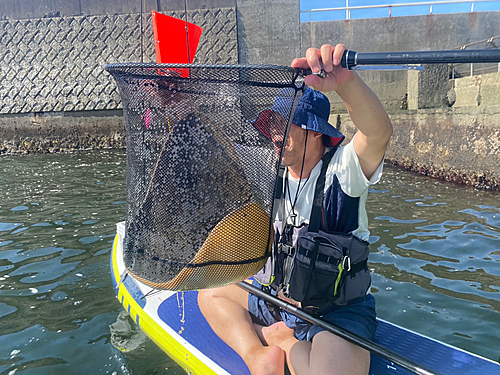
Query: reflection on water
[(435, 255)]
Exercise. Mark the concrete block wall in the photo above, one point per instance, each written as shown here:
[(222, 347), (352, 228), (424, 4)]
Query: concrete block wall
[(429, 88), (56, 64), (480, 90), (52, 52), (55, 95)]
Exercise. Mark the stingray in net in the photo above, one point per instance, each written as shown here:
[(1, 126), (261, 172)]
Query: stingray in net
[(201, 177), (216, 194)]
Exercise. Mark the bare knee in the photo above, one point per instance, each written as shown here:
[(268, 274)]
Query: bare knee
[(207, 295), (348, 359), (208, 298)]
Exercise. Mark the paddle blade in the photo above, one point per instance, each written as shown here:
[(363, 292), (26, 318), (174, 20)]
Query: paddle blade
[(171, 40)]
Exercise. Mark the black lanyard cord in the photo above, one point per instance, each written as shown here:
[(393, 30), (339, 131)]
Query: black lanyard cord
[(292, 213)]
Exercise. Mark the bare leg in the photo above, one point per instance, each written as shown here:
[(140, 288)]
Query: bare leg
[(327, 354), (226, 311)]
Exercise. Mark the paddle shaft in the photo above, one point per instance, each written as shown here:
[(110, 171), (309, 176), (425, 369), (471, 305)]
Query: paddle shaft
[(351, 59), (339, 331)]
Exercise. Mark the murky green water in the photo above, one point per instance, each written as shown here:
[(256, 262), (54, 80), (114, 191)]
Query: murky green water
[(435, 255)]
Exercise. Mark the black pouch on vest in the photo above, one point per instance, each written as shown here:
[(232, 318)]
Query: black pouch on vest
[(357, 280), (329, 268)]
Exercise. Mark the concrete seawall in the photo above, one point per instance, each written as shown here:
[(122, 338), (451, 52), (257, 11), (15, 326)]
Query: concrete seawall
[(448, 144), (57, 132)]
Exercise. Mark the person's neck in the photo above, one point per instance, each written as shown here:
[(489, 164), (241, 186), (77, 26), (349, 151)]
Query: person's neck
[(309, 165)]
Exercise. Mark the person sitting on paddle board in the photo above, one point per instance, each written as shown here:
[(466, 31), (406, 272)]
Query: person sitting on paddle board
[(320, 249)]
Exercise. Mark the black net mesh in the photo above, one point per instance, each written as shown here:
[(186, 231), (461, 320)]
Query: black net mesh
[(203, 155)]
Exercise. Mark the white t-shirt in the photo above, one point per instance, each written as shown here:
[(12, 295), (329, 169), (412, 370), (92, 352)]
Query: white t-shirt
[(346, 189)]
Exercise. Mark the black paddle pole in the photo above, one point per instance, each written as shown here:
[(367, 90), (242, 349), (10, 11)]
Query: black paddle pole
[(350, 59), (339, 331)]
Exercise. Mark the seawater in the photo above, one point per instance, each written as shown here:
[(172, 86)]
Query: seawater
[(435, 260)]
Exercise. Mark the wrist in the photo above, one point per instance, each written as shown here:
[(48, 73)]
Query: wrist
[(349, 81), (351, 88)]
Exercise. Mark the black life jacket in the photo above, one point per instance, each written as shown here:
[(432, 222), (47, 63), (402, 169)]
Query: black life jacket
[(315, 267)]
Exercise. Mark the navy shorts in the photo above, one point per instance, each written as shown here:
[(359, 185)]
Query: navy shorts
[(358, 317)]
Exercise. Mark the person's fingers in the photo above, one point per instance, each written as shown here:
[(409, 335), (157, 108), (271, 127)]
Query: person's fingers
[(337, 54), (327, 57), (300, 62), (314, 81), (313, 56), (310, 80)]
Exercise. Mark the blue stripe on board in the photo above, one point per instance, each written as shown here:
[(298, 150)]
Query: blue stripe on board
[(134, 291), (440, 358), (197, 332)]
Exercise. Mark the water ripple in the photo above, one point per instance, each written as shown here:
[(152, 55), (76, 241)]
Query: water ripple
[(434, 255), (57, 303), (491, 217), (435, 277)]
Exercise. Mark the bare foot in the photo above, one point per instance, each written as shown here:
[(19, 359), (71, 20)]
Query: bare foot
[(280, 335), (267, 360), (277, 333)]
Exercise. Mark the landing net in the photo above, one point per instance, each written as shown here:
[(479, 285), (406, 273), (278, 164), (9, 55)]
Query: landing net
[(203, 153)]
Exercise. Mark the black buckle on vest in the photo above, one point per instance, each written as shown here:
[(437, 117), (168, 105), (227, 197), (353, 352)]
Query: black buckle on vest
[(287, 237), (287, 249)]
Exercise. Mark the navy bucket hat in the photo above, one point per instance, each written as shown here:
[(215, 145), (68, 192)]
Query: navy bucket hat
[(312, 113)]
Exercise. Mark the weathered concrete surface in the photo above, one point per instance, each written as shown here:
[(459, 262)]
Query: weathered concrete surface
[(268, 31), (467, 91), (429, 88), (410, 33), (390, 87), (456, 144), (170, 5), (477, 90), (490, 89), (28, 9), (59, 132)]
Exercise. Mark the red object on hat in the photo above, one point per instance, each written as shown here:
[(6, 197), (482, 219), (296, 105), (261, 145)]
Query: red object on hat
[(263, 122)]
